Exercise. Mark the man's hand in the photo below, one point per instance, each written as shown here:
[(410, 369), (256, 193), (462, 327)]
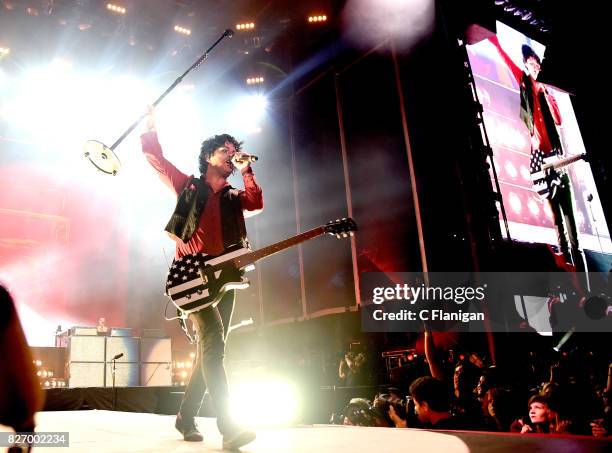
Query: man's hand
[(398, 421), (240, 164)]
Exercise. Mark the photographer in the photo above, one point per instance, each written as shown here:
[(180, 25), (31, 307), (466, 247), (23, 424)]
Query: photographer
[(432, 405)]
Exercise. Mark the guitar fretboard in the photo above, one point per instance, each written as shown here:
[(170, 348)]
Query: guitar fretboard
[(570, 160), (250, 258)]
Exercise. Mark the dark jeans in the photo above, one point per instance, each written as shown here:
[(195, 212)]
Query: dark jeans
[(212, 325), (562, 207)]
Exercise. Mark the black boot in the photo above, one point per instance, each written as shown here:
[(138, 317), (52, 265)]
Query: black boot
[(188, 428)]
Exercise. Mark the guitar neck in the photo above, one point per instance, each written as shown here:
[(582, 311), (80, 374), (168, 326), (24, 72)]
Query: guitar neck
[(564, 162), (250, 258)]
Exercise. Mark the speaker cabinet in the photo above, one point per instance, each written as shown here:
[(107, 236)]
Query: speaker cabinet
[(156, 350), (156, 374), (126, 375), (86, 348), (85, 374)]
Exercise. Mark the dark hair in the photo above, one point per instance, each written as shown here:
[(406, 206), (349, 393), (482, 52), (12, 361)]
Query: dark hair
[(538, 399), (432, 391), (528, 53), (504, 407), (211, 144)]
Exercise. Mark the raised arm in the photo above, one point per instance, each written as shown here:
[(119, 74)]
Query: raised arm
[(516, 71), (168, 173), (430, 355)]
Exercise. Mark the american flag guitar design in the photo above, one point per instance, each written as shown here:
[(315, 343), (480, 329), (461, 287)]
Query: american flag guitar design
[(198, 281), (544, 176)]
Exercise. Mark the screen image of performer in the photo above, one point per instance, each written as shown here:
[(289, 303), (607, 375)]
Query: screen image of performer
[(540, 114), (208, 219)]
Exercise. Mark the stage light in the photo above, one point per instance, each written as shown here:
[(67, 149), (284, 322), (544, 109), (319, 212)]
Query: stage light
[(511, 169), (256, 105), (192, 355), (247, 112), (47, 383), (245, 27), (255, 80), (533, 207), (38, 363), (515, 202), (182, 30), (317, 19), (39, 373), (184, 374), (251, 402), (115, 8), (4, 51), (525, 173)]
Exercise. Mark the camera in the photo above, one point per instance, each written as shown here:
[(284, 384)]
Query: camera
[(358, 412), (383, 401)]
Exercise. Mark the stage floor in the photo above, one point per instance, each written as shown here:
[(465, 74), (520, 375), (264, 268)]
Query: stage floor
[(107, 431)]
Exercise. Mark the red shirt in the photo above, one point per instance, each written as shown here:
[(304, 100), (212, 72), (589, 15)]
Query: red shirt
[(208, 236)]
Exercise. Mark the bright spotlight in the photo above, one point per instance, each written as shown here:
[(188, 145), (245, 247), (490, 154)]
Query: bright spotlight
[(115, 8), (247, 112), (256, 104), (182, 30), (255, 80), (245, 26), (250, 402), (317, 19)]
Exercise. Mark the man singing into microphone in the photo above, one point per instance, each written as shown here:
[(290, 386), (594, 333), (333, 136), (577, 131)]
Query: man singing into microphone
[(208, 218)]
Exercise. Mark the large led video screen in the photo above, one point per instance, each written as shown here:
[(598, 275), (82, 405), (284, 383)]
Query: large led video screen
[(498, 83)]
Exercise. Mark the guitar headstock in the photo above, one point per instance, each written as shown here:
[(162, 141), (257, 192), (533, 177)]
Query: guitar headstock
[(341, 227)]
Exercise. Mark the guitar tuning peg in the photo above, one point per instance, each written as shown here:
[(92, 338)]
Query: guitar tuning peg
[(344, 235), (337, 236), (351, 234)]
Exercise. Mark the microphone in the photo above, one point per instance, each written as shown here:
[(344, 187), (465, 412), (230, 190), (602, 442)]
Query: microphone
[(245, 158), (118, 356)]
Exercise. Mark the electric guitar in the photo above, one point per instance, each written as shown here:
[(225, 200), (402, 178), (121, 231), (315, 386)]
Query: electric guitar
[(198, 281), (544, 176)]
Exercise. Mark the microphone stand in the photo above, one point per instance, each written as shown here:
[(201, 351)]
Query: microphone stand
[(113, 370)]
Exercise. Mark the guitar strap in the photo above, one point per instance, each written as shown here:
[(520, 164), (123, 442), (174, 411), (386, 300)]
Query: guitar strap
[(183, 325)]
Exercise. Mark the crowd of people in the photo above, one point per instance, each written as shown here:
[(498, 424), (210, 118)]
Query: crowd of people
[(565, 393)]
